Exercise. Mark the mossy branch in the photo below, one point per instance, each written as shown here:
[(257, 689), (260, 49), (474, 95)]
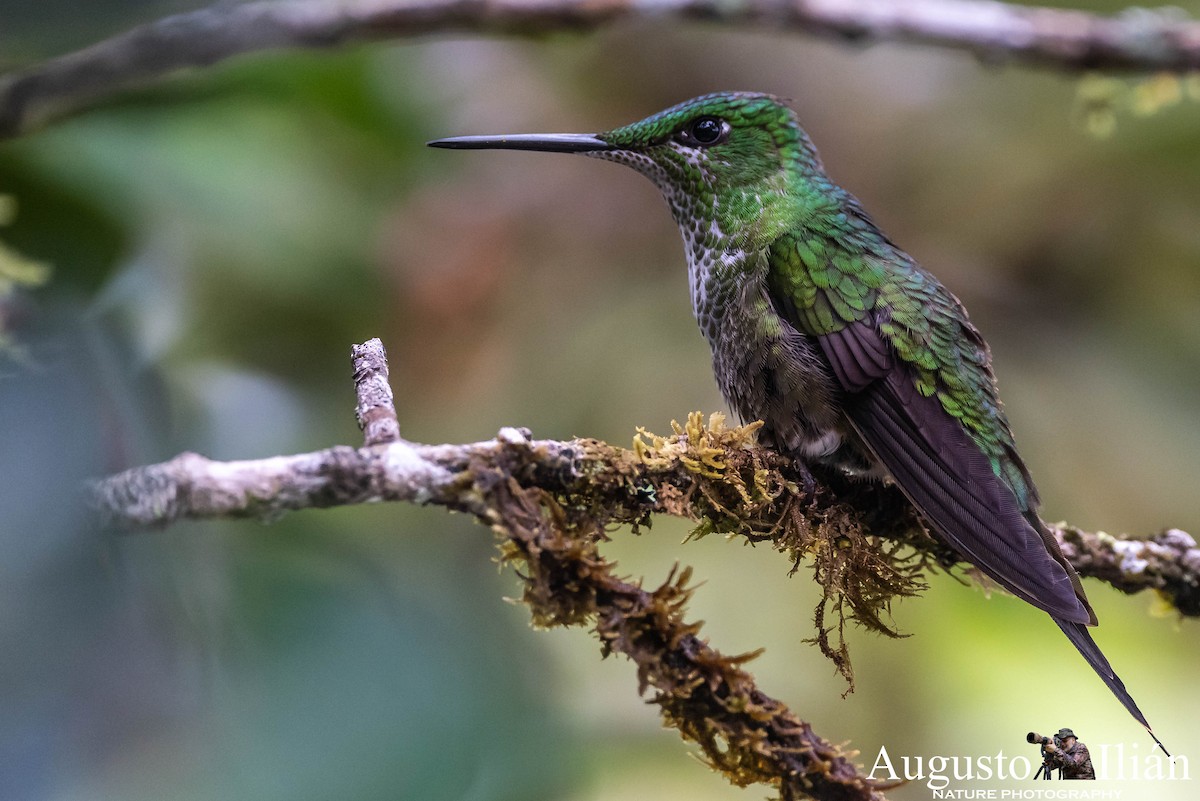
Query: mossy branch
[(551, 504), (1140, 40)]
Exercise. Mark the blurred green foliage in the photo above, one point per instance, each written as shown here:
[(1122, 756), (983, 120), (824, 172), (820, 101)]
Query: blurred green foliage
[(219, 240)]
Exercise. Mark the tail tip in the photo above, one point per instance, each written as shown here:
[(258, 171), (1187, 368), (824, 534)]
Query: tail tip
[(1157, 741)]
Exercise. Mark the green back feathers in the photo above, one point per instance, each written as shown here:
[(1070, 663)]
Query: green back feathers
[(831, 280)]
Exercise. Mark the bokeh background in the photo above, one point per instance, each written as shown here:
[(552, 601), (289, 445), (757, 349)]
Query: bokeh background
[(217, 242)]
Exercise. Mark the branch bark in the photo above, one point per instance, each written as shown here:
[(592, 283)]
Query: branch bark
[(551, 504), (192, 487), (1137, 40)]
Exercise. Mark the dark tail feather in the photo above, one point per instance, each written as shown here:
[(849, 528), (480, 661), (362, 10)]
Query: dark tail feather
[(1078, 634)]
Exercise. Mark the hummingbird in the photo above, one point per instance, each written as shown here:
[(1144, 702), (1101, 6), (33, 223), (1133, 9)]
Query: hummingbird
[(849, 351)]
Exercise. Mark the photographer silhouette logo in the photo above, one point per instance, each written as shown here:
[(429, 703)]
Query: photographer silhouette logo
[(1064, 753)]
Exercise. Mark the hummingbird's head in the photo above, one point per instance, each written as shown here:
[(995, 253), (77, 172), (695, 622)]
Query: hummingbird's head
[(733, 159), (717, 143)]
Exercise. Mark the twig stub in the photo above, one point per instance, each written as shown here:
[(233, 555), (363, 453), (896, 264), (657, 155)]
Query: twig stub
[(376, 410)]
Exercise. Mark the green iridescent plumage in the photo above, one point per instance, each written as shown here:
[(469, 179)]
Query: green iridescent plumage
[(849, 352), (826, 286)]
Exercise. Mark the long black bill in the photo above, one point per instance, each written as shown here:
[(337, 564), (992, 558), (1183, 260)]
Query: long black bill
[(554, 143)]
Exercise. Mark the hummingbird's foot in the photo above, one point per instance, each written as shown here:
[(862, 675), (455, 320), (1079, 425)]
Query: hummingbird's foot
[(802, 471)]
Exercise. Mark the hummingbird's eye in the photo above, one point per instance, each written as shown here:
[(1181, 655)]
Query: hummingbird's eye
[(704, 131)]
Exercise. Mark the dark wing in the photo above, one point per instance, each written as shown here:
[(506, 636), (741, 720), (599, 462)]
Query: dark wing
[(934, 462), (948, 478), (929, 453)]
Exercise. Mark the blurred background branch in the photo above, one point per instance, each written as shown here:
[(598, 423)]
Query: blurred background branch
[(1139, 40)]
